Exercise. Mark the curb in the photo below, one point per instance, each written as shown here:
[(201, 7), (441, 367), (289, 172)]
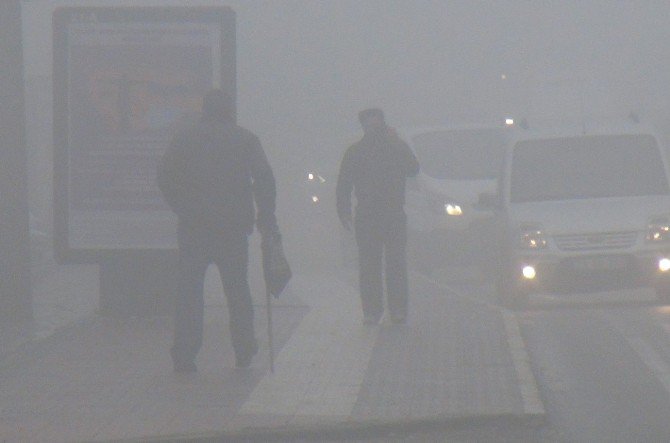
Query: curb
[(532, 402), (349, 429)]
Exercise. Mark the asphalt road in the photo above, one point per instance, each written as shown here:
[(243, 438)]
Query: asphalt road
[(601, 360), (603, 367)]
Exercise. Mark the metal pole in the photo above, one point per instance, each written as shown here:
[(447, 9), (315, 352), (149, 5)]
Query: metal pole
[(15, 293)]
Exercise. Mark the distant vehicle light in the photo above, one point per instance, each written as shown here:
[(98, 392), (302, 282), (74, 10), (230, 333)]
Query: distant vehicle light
[(664, 265), (529, 272), (453, 209), (659, 229), (509, 121), (315, 176)]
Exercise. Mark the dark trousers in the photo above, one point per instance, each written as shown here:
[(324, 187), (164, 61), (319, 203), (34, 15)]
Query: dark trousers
[(230, 253), (382, 241)]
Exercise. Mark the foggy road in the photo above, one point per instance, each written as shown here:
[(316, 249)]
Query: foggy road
[(604, 372), (601, 361)]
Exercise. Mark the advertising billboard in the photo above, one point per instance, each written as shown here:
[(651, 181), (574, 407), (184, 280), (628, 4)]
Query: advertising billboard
[(125, 79)]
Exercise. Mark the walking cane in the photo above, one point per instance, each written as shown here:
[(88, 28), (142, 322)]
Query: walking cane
[(277, 273), (270, 341)]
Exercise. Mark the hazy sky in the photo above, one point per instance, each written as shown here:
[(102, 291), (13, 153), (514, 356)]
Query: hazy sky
[(306, 67)]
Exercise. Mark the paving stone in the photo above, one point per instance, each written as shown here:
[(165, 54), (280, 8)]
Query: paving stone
[(105, 379)]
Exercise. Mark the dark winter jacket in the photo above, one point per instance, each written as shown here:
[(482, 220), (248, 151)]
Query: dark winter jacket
[(376, 169), (210, 176)]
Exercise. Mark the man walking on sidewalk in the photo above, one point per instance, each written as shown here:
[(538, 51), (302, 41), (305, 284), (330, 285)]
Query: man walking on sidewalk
[(210, 176), (375, 169)]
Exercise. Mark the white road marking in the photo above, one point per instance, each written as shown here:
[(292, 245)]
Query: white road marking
[(532, 404), (649, 356), (652, 359), (313, 376)]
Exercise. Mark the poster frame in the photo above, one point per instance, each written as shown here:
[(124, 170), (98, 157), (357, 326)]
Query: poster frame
[(223, 16)]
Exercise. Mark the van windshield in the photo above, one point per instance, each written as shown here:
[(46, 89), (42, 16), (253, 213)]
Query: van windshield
[(587, 167), (466, 154)]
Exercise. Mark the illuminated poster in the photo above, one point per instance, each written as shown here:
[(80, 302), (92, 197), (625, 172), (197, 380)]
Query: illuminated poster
[(130, 84)]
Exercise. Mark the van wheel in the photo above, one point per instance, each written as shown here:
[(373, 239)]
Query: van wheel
[(663, 292)]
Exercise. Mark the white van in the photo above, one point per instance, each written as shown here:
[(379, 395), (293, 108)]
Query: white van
[(582, 204), (458, 163)]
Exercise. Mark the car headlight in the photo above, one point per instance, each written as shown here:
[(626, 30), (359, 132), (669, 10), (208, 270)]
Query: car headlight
[(442, 205), (532, 237), (453, 209), (658, 230)]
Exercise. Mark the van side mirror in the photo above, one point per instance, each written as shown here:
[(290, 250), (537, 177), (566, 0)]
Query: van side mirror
[(489, 200)]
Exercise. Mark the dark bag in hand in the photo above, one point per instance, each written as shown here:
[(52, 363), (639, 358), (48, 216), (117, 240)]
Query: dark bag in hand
[(276, 269)]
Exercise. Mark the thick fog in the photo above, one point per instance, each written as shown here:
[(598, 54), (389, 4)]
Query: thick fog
[(305, 68)]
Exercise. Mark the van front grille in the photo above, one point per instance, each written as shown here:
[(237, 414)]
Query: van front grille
[(596, 241)]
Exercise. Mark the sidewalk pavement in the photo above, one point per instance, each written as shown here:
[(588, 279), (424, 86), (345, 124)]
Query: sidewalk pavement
[(103, 379), (62, 295)]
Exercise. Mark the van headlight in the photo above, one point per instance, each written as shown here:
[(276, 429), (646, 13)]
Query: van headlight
[(453, 209), (658, 230), (532, 237)]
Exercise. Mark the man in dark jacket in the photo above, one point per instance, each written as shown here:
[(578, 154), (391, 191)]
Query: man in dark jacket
[(210, 176), (375, 169)]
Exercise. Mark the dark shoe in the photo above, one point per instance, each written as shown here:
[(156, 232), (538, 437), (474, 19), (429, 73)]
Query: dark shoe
[(243, 360), (185, 367)]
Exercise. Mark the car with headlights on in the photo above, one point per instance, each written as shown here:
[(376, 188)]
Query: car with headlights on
[(458, 162), (579, 205)]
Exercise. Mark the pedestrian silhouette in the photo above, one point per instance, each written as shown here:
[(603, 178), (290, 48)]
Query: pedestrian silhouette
[(376, 169), (211, 175)]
